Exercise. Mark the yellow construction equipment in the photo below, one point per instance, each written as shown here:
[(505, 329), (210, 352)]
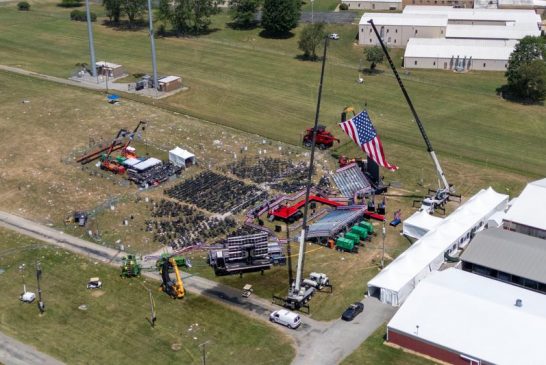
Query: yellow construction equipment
[(174, 288)]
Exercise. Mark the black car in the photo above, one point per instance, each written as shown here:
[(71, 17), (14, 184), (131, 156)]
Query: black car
[(353, 310)]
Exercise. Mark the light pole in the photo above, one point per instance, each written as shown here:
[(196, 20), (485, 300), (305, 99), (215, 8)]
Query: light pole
[(203, 352), (383, 233), (91, 42), (312, 12), (152, 45)]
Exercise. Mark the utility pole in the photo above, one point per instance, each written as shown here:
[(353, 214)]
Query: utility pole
[(152, 44), (383, 233), (93, 64), (312, 12), (41, 305), (204, 352)]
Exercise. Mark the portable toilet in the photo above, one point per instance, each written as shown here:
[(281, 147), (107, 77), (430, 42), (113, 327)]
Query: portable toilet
[(361, 232), (352, 236), (367, 225)]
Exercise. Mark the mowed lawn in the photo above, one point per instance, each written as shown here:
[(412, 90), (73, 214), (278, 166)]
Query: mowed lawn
[(240, 79), (373, 351), (114, 328)]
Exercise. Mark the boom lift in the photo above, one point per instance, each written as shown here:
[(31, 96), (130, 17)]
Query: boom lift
[(127, 153), (445, 190), (108, 163), (173, 288)]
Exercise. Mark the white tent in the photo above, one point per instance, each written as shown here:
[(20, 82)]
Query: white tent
[(181, 157), (394, 283), (419, 223)]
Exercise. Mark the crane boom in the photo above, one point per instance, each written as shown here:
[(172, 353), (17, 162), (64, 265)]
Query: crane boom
[(301, 254), (179, 286), (439, 170)]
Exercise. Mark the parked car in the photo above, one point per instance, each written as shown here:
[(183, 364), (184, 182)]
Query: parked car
[(354, 310), (286, 318), (334, 36)]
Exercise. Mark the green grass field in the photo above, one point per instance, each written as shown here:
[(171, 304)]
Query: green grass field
[(372, 351), (242, 80), (114, 328)]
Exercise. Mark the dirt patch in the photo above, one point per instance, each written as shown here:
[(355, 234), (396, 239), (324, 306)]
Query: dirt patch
[(97, 293)]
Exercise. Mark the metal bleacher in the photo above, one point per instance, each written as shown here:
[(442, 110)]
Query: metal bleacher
[(350, 180)]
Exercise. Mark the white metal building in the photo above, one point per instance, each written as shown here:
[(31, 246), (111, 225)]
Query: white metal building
[(458, 54), (397, 29), (447, 22), (527, 214), (463, 318), (396, 281), (373, 4)]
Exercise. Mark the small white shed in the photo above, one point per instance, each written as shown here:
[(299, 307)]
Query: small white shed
[(181, 157)]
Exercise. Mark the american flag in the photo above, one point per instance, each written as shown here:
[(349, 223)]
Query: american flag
[(362, 132)]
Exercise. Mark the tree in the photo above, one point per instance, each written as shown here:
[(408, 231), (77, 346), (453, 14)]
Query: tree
[(23, 6), (280, 16), (526, 73), (133, 9), (70, 3), (374, 55), (188, 16), (243, 12), (528, 81), (113, 9), (310, 38)]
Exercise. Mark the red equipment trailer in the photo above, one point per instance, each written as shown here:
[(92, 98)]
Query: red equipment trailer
[(323, 140)]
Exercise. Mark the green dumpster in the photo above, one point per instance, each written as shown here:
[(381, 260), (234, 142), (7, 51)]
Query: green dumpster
[(361, 232), (353, 236), (367, 225), (346, 244)]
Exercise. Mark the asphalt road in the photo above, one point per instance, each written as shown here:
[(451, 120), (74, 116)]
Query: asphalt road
[(13, 352), (316, 342)]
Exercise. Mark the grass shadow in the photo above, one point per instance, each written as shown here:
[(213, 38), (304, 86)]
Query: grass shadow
[(124, 25), (269, 35), (236, 26), (302, 57), (173, 33), (505, 93), (372, 72)]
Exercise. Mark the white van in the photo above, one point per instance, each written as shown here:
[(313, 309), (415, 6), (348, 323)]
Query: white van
[(286, 318)]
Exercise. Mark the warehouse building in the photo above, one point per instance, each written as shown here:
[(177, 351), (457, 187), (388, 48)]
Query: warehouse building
[(508, 256), (462, 318), (373, 4), (527, 214), (458, 54), (446, 22), (396, 281), (442, 37)]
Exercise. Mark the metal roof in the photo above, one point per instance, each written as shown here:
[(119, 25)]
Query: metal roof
[(447, 48), (333, 222), (509, 252), (421, 20), (350, 179), (530, 208), (477, 317), (491, 31)]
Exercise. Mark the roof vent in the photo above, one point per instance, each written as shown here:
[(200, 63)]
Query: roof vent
[(519, 303)]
